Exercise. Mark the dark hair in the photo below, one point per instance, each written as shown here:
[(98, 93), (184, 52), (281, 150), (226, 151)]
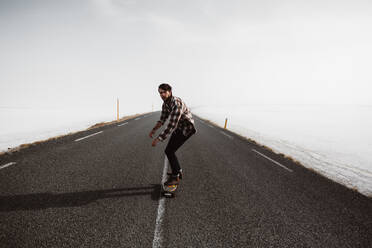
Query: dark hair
[(165, 87)]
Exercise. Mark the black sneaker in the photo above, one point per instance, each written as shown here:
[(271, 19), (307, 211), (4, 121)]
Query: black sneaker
[(180, 174)]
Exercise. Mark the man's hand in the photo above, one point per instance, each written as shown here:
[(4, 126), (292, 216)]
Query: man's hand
[(155, 141), (151, 133)]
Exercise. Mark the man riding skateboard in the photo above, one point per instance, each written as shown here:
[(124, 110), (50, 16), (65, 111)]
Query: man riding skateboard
[(181, 126)]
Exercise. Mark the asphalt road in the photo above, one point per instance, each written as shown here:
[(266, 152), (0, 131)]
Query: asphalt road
[(104, 191)]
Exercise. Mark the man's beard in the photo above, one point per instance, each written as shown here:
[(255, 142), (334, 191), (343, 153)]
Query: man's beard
[(166, 99)]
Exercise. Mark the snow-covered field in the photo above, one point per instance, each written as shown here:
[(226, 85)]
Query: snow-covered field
[(334, 140)]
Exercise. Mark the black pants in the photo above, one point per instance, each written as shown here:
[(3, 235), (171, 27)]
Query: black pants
[(176, 141)]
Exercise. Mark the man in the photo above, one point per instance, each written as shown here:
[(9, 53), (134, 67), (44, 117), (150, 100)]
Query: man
[(181, 126)]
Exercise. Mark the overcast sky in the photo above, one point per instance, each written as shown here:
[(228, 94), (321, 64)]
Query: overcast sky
[(88, 53)]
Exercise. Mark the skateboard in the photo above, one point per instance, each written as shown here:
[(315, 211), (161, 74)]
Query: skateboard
[(170, 190)]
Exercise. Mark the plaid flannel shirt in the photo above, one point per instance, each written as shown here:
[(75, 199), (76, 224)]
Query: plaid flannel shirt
[(180, 118)]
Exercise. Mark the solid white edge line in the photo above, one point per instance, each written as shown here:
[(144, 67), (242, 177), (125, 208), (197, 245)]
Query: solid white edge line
[(137, 119), (226, 134), (7, 165), (210, 126), (277, 163), (158, 238), (89, 136), (123, 124)]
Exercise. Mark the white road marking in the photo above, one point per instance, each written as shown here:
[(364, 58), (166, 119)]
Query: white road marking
[(211, 126), (277, 163), (89, 136), (201, 121), (158, 235), (7, 165), (226, 134), (123, 124), (137, 119)]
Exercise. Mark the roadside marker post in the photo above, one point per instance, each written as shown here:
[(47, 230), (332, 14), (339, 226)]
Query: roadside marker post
[(117, 116)]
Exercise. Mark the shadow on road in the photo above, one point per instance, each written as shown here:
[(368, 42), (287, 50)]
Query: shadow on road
[(75, 199)]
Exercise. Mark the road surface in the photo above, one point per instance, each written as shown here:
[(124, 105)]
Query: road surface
[(101, 188)]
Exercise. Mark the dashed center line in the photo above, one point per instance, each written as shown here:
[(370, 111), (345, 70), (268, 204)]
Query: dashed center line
[(226, 134), (277, 163), (89, 136), (123, 124), (7, 165)]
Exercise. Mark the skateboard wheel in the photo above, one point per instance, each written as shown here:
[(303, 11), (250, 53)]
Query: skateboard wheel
[(168, 195)]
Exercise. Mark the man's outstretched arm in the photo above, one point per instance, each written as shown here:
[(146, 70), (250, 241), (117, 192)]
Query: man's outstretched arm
[(156, 127), (163, 117)]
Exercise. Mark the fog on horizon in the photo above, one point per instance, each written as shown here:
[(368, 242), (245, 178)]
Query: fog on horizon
[(89, 53)]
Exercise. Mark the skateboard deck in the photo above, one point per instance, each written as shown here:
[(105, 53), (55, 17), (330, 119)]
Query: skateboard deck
[(170, 190)]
